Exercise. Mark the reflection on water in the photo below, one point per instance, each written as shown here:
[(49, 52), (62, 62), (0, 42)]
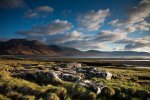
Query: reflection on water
[(126, 60), (143, 67)]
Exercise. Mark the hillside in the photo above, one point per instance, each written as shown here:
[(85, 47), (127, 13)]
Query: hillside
[(25, 47)]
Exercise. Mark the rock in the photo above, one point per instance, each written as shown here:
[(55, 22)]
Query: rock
[(108, 76), (54, 75), (93, 72), (70, 65), (69, 77), (91, 85)]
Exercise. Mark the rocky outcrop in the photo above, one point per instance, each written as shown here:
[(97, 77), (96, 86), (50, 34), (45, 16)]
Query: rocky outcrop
[(70, 65), (93, 72), (91, 85)]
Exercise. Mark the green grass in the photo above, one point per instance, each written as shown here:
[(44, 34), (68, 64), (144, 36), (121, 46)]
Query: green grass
[(130, 83)]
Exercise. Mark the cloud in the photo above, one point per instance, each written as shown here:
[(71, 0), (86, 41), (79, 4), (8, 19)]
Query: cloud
[(92, 20), (106, 36), (136, 43), (74, 39), (11, 4), (44, 9), (136, 18), (82, 41), (84, 45), (78, 39), (40, 11), (74, 35), (65, 37), (56, 27)]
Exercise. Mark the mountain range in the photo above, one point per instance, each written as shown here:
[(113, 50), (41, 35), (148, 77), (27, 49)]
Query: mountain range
[(34, 47)]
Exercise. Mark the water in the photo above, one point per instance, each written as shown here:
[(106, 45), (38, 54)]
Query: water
[(142, 67), (124, 60)]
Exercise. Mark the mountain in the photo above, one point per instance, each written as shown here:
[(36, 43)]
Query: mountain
[(116, 53), (25, 47), (33, 47)]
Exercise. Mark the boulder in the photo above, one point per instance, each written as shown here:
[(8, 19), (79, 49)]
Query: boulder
[(93, 72), (91, 85), (54, 75), (69, 77)]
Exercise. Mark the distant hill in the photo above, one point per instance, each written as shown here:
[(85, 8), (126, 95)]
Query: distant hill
[(28, 47), (116, 53)]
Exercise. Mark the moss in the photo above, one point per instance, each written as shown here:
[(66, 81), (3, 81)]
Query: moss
[(68, 98), (52, 96), (141, 94), (4, 75), (69, 86), (2, 97), (108, 91), (60, 91), (91, 96), (80, 89), (29, 97), (121, 95), (14, 95)]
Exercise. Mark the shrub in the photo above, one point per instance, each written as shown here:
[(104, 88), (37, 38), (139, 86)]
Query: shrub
[(108, 91)]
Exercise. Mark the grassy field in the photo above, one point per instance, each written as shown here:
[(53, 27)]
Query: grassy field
[(127, 83)]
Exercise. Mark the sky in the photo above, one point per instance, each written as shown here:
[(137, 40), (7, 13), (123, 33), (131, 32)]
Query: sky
[(105, 25)]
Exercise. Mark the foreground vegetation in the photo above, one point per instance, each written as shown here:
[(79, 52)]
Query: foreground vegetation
[(127, 83)]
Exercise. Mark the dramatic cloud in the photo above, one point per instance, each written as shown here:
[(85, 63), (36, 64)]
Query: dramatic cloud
[(136, 43), (92, 20), (57, 26), (65, 37), (105, 36), (11, 3), (40, 11), (136, 19), (74, 35), (84, 45), (82, 41)]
